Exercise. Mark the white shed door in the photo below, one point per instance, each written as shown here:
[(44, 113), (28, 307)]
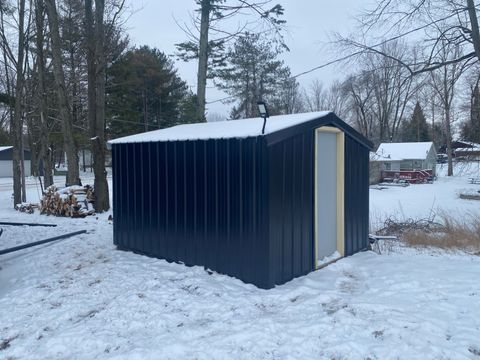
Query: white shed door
[(329, 195)]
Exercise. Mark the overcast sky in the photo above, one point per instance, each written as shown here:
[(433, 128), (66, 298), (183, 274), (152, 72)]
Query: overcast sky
[(310, 25)]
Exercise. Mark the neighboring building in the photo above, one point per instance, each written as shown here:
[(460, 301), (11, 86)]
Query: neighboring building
[(471, 152), (412, 161), (408, 156), (264, 208), (458, 144), (380, 163), (6, 161)]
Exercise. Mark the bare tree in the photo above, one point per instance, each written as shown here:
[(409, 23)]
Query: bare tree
[(96, 62), (316, 96), (45, 151), (444, 81), (336, 99), (392, 88), (454, 21), (15, 63), (382, 90), (73, 175), (17, 126), (333, 98), (360, 96)]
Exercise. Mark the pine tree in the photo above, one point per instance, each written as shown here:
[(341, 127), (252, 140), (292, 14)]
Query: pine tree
[(144, 92), (209, 45), (417, 129), (252, 73)]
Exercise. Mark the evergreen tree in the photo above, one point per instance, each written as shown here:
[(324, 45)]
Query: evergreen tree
[(252, 72), (438, 136), (144, 92), (417, 129), (209, 45)]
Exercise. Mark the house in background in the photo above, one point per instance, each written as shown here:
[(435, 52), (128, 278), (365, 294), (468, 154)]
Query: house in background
[(458, 144), (6, 161), (469, 152), (412, 161), (378, 163)]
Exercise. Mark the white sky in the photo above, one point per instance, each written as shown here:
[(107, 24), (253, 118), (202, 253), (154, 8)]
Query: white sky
[(310, 25)]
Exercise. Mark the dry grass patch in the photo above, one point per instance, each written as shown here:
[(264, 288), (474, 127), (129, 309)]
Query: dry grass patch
[(451, 233)]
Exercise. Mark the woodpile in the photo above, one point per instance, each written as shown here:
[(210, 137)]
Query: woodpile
[(72, 201), (26, 208)]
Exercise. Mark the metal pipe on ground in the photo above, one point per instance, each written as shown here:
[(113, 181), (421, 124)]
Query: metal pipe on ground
[(26, 224), (40, 242)]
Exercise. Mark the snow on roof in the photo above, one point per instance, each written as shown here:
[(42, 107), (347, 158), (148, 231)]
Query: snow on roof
[(222, 129), (472, 149), (3, 148), (405, 151), (383, 158), (469, 143)]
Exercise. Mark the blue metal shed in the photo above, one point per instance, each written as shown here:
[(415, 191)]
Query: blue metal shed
[(262, 208)]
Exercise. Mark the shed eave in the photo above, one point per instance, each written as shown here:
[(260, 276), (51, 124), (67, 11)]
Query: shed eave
[(329, 120), (234, 129)]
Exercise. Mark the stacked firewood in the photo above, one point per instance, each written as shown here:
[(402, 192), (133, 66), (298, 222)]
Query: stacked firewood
[(72, 201)]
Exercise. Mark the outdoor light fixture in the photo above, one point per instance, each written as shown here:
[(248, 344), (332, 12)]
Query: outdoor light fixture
[(262, 108)]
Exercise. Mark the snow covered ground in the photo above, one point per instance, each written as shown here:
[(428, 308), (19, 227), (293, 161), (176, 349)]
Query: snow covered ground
[(424, 201), (83, 299)]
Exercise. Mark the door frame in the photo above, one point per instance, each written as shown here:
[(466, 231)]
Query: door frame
[(340, 191)]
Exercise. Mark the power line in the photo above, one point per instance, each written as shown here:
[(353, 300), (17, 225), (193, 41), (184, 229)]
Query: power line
[(365, 47)]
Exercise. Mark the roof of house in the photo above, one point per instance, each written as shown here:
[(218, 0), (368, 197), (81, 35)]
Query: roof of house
[(405, 151), (382, 158), (468, 144), (222, 129), (472, 149), (3, 148)]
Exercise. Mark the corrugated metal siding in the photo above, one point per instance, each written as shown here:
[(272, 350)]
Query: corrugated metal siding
[(291, 199), (356, 196), (243, 207), (197, 202), (291, 207)]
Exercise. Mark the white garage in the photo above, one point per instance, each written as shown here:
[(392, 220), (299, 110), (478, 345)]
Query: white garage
[(6, 166)]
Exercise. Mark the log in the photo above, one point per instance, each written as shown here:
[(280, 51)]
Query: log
[(25, 224), (45, 241)]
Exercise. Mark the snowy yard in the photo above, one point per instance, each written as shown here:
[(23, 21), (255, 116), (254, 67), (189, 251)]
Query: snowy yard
[(83, 299)]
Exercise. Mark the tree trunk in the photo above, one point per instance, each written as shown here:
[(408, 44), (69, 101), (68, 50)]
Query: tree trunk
[(448, 133), (102, 202), (203, 58), (73, 176), (17, 125), (472, 14), (45, 152), (96, 99)]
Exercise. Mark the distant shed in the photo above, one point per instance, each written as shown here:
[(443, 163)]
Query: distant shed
[(6, 161), (262, 208)]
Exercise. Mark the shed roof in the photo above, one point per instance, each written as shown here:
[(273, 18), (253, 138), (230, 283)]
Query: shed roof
[(222, 129), (405, 151), (3, 148)]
